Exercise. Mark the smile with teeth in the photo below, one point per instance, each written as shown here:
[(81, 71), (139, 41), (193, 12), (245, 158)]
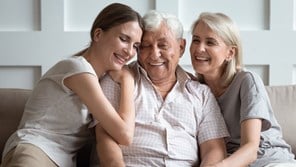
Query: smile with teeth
[(202, 58), (156, 63)]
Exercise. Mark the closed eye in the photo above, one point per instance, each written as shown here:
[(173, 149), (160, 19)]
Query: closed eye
[(124, 38), (144, 45), (163, 46)]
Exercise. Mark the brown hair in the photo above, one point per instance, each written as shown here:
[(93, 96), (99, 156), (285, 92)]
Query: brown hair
[(113, 15)]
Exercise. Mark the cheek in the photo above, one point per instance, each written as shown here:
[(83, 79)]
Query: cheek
[(142, 57), (144, 53), (218, 60), (174, 60), (191, 49)]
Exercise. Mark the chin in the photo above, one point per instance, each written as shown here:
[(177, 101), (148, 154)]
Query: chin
[(117, 67)]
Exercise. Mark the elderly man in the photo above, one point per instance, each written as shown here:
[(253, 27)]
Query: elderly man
[(177, 118)]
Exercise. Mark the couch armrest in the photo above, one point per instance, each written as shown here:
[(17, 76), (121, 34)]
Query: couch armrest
[(11, 109)]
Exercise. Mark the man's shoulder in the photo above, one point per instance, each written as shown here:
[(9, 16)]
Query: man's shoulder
[(195, 87)]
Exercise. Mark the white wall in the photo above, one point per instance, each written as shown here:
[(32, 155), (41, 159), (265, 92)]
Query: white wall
[(35, 34)]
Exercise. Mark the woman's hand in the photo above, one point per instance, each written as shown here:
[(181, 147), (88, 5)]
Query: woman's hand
[(119, 76)]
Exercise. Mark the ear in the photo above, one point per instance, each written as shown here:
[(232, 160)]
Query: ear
[(231, 53), (182, 46), (97, 33)]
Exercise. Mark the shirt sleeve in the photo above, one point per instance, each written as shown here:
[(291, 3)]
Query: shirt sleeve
[(212, 125), (254, 99)]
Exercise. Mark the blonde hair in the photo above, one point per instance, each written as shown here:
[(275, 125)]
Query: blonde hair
[(226, 29)]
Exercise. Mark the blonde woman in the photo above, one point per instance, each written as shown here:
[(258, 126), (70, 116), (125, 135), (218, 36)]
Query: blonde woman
[(255, 135)]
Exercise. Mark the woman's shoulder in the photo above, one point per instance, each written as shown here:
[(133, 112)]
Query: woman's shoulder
[(248, 77), (75, 63), (249, 82), (69, 66)]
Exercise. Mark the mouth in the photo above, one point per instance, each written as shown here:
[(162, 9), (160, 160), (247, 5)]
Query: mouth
[(156, 63), (120, 59), (200, 58)]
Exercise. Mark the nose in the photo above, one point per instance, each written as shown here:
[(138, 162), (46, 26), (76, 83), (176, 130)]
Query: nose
[(155, 53), (200, 48), (130, 51)]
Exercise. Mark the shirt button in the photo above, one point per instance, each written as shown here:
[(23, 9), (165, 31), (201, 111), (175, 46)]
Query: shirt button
[(157, 119)]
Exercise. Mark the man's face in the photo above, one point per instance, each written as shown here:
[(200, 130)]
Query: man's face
[(160, 52)]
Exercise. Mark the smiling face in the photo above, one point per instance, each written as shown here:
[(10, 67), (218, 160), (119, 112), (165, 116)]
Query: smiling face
[(208, 51), (160, 52), (118, 45)]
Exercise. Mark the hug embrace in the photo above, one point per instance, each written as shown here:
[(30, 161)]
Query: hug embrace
[(151, 112)]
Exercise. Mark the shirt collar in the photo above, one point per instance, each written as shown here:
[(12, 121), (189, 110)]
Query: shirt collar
[(182, 76)]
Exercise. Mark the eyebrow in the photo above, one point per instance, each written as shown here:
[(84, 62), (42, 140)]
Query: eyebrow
[(195, 36), (208, 38), (164, 39)]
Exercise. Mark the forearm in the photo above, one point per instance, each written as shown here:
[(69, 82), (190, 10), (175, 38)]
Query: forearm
[(250, 139), (244, 156), (108, 150), (127, 108), (214, 158), (213, 152)]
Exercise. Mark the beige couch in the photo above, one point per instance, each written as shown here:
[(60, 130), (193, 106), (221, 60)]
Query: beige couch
[(12, 102)]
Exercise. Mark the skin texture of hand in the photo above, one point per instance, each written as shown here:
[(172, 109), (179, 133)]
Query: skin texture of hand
[(122, 75)]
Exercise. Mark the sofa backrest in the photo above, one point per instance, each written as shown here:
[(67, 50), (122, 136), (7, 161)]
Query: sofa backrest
[(283, 101), (283, 98), (12, 102)]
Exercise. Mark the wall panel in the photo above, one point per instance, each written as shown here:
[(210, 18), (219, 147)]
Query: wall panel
[(35, 34), (16, 15), (248, 14), (20, 76), (77, 19)]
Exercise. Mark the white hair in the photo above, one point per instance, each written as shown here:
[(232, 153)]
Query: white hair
[(153, 19)]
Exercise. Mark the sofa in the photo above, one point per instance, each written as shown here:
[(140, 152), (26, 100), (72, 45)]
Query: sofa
[(12, 102)]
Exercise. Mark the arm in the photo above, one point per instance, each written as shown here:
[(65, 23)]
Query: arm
[(108, 150), (212, 152), (250, 138), (119, 125)]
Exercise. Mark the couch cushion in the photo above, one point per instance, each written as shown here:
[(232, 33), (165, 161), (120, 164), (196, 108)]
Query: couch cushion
[(283, 101), (12, 102)]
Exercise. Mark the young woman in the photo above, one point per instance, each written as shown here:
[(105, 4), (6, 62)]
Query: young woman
[(255, 135), (57, 115)]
